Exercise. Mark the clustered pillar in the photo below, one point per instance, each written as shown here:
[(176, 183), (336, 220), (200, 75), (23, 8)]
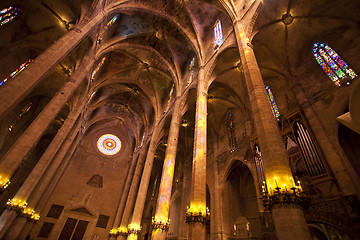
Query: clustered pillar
[(289, 221), (197, 231), (161, 221)]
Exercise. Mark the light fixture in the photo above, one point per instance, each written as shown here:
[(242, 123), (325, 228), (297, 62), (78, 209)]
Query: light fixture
[(281, 195), (184, 123), (197, 214)]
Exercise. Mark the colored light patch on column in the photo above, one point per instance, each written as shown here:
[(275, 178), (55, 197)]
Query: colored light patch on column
[(109, 144), (162, 211)]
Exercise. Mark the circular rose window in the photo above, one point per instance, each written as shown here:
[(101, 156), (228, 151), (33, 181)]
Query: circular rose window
[(109, 144)]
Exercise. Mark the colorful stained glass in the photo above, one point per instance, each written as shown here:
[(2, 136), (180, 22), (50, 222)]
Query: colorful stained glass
[(170, 97), (191, 70), (273, 104), (97, 68), (231, 131), (16, 72), (8, 14), (332, 63), (218, 34), (109, 144), (109, 24)]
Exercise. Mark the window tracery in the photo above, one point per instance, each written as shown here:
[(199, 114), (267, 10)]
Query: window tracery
[(231, 131), (191, 70), (170, 97), (109, 24), (332, 64), (8, 14), (97, 68), (16, 72), (23, 111), (273, 104), (218, 36)]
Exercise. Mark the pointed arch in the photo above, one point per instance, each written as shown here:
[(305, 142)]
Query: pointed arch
[(332, 64)]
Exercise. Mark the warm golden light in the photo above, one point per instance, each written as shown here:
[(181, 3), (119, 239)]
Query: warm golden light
[(4, 182)]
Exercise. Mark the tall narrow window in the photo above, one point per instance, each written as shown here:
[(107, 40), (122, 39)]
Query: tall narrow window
[(311, 156), (97, 68), (23, 111), (273, 104), (191, 70), (259, 165), (109, 24), (170, 98), (218, 36), (8, 14), (332, 63), (231, 131), (16, 72)]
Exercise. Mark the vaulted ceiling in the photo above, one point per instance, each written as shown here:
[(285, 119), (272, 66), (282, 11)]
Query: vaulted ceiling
[(149, 48)]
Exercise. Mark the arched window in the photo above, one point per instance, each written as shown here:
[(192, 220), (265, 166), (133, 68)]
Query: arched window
[(311, 156), (109, 24), (274, 107), (97, 68), (170, 97), (332, 63), (231, 131), (259, 165), (218, 36), (8, 14), (16, 72), (23, 111), (191, 70)]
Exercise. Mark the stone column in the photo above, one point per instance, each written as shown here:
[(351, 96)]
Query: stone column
[(185, 199), (216, 211), (197, 231), (289, 221), (144, 184), (34, 177), (167, 177), (49, 180), (134, 189), (341, 167), (28, 139), (15, 90), (125, 193)]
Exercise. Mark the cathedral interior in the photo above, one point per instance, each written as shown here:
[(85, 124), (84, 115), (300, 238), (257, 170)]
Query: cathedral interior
[(180, 119)]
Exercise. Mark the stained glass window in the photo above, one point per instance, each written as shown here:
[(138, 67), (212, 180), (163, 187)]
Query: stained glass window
[(273, 104), (170, 97), (191, 70), (8, 14), (16, 72), (97, 68), (23, 111), (218, 34), (231, 131), (109, 24), (109, 144), (332, 63)]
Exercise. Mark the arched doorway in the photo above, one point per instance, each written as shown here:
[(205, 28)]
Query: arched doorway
[(240, 205)]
